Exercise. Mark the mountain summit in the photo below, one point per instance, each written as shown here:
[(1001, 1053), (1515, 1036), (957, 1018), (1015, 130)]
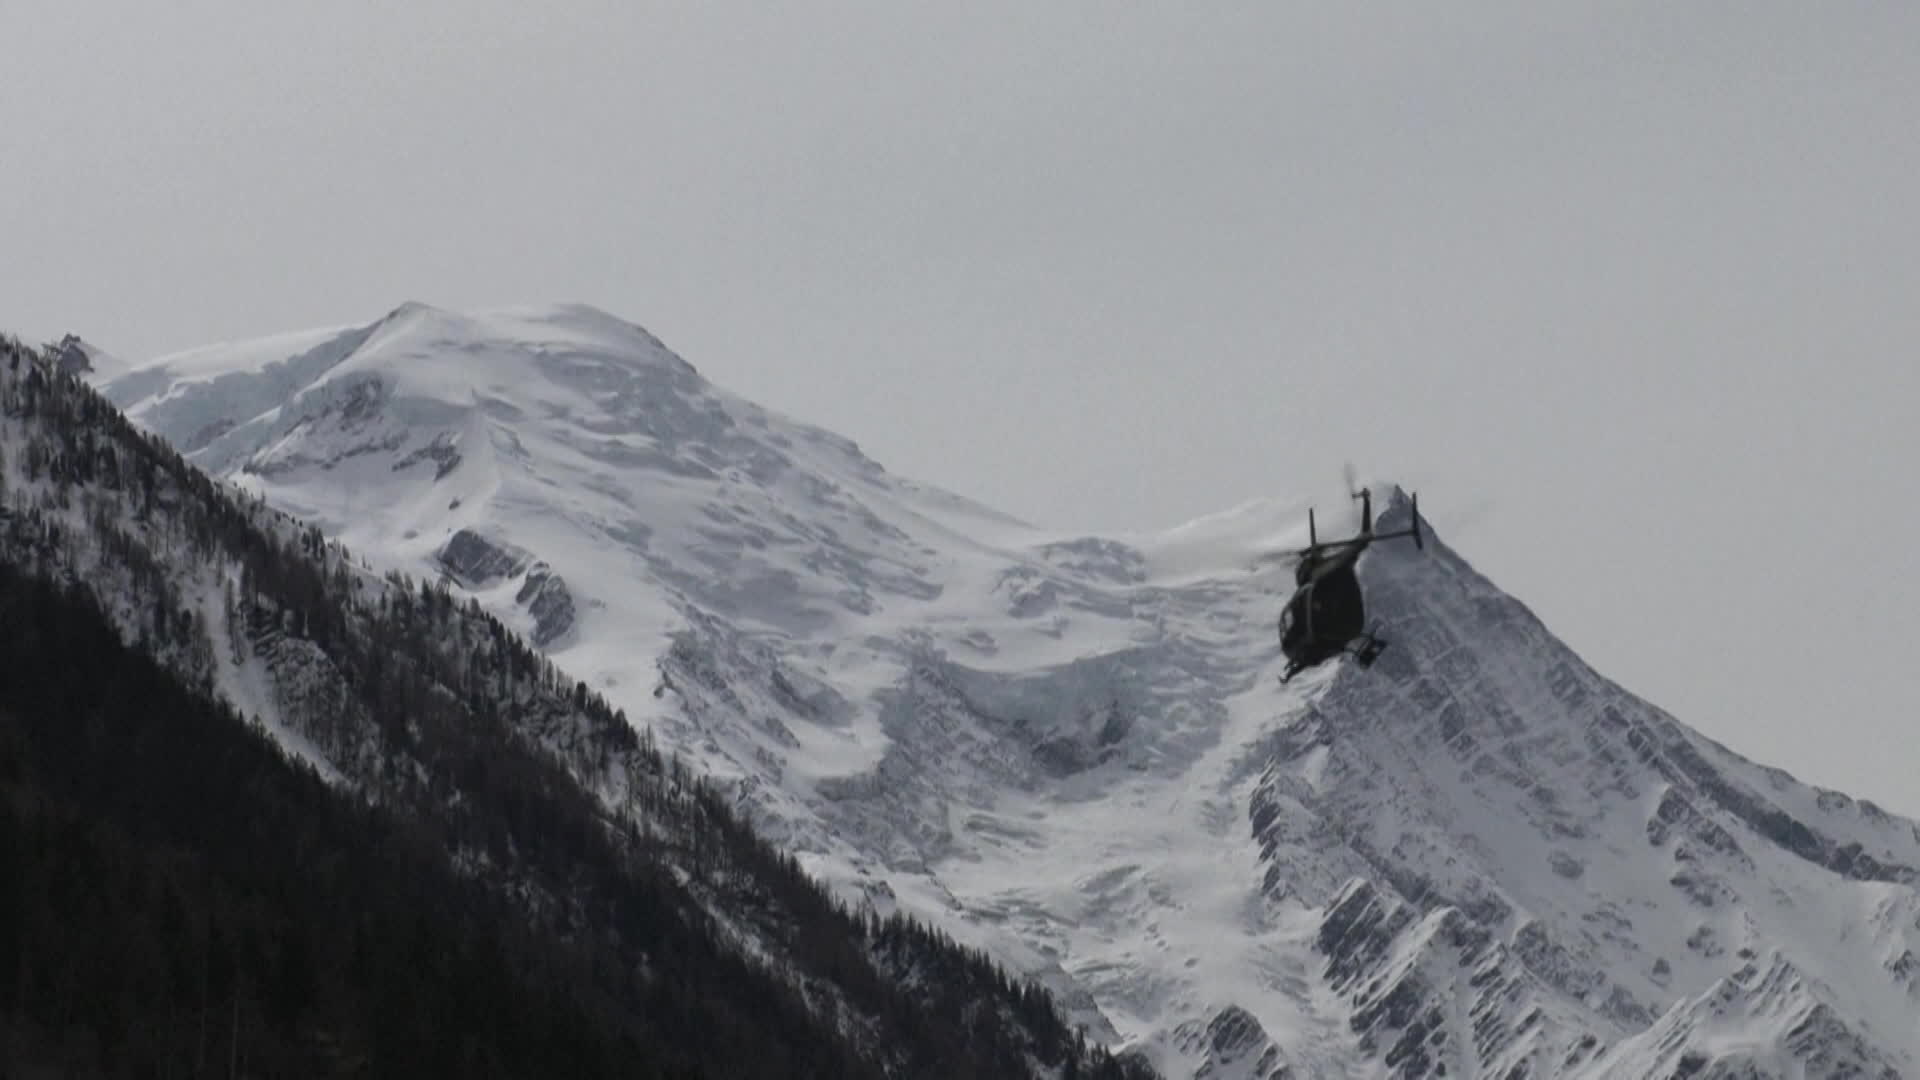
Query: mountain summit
[(1478, 858)]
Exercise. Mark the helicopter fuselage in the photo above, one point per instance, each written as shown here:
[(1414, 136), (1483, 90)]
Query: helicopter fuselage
[(1325, 614)]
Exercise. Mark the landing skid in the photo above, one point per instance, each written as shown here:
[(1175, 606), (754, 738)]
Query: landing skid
[(1368, 649), (1364, 649)]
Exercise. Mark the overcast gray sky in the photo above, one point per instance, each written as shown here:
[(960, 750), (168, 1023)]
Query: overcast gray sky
[(1631, 292)]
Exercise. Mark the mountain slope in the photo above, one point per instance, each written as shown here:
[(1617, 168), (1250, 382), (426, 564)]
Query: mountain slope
[(1599, 889), (1073, 752), (681, 930), (176, 888)]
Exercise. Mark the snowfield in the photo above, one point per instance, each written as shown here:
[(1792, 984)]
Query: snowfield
[(1479, 858)]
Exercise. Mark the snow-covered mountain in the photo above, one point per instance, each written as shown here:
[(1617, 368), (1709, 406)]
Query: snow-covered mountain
[(528, 883), (1479, 858)]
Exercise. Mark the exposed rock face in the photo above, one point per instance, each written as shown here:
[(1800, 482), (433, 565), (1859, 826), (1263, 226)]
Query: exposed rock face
[(544, 594), (477, 562), (442, 452), (1233, 1046)]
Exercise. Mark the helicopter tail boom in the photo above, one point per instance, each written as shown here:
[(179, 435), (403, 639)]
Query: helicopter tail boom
[(1365, 537), (1413, 530)]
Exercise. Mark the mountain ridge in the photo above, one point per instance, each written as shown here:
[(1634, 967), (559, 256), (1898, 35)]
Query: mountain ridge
[(1072, 751)]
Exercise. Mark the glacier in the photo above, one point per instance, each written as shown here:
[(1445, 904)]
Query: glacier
[(1478, 858)]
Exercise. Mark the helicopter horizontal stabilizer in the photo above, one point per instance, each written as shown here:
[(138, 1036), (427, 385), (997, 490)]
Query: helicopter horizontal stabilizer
[(1365, 538)]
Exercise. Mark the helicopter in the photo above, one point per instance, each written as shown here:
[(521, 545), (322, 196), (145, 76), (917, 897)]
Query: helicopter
[(1327, 616)]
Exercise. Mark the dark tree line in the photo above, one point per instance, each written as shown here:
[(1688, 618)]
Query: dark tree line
[(495, 911), (179, 899)]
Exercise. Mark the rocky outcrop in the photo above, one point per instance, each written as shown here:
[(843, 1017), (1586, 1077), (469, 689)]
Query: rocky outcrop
[(479, 562), (544, 594), (1233, 1046)]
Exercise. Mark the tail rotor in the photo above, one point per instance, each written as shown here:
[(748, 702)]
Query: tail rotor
[(1363, 495)]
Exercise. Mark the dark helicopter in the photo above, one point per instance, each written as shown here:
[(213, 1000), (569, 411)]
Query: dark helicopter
[(1327, 616)]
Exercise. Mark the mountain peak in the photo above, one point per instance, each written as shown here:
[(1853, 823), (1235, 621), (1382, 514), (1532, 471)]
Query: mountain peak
[(1476, 858), (416, 351), (535, 435), (530, 329)]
